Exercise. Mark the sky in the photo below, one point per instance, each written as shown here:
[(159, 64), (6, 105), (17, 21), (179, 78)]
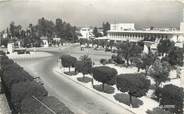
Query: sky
[(144, 13)]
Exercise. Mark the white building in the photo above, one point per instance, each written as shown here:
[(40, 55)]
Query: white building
[(5, 35), (124, 32), (10, 47), (45, 42), (57, 39), (86, 33), (123, 27)]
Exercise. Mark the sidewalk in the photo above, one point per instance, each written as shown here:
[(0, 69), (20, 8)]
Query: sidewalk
[(4, 106), (148, 103), (38, 52), (182, 77), (29, 56)]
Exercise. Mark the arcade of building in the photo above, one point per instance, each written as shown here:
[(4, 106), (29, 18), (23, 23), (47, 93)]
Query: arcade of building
[(126, 31)]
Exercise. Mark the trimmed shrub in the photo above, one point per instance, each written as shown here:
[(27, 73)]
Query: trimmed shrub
[(159, 71), (135, 84), (118, 59), (175, 56), (172, 95), (103, 61), (104, 74), (68, 61)]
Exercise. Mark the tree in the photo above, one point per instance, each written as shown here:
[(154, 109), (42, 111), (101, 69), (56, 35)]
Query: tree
[(96, 33), (78, 66), (165, 46), (175, 56), (124, 50), (12, 29), (111, 44), (118, 59), (172, 95), (103, 61), (147, 60), (102, 43), (59, 28), (44, 27), (106, 27), (138, 63), (15, 30), (23, 90), (104, 74), (159, 71), (135, 84), (33, 35), (128, 50), (86, 65), (68, 61)]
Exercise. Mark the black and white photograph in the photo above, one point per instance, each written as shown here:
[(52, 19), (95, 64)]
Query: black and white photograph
[(91, 56)]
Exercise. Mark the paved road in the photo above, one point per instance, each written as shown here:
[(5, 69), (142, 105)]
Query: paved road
[(79, 99)]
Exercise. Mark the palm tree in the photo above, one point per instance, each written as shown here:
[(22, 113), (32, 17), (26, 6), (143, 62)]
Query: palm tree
[(86, 65)]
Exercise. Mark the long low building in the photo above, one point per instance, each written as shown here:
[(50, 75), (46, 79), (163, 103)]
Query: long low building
[(119, 34)]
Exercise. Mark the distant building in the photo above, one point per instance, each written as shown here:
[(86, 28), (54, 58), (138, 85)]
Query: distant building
[(10, 47), (5, 35), (123, 27), (45, 42), (86, 33), (124, 32), (57, 39)]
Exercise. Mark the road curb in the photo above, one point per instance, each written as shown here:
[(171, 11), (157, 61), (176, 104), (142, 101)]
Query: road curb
[(93, 91)]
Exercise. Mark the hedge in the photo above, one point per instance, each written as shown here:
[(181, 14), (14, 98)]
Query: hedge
[(20, 86)]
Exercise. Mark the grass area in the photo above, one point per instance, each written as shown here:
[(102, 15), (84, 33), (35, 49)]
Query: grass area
[(84, 79), (152, 87), (107, 88), (124, 98)]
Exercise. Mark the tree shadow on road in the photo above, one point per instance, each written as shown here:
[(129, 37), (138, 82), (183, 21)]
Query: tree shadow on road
[(107, 88), (72, 73), (124, 98), (84, 79)]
